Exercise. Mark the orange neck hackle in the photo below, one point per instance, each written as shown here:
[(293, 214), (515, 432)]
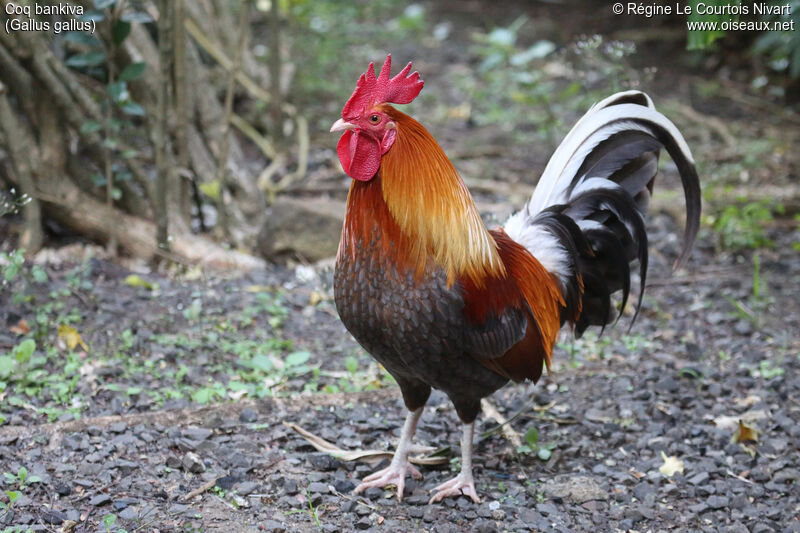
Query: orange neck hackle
[(431, 204)]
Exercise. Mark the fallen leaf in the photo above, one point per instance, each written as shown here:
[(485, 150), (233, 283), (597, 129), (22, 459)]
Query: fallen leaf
[(671, 466), (20, 328), (369, 456), (745, 433), (732, 422), (70, 337), (258, 288), (315, 298), (135, 281)]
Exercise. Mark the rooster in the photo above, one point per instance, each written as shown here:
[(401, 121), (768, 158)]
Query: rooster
[(443, 302)]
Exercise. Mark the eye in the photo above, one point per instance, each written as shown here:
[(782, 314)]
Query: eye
[(374, 119)]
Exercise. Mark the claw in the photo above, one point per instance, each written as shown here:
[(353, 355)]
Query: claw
[(461, 485), (391, 475)]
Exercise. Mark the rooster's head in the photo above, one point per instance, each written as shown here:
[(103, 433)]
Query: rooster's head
[(369, 132)]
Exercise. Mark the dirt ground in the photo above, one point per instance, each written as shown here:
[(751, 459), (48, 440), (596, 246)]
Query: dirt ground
[(162, 403)]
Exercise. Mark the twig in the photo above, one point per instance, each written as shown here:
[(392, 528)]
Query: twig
[(707, 121), (200, 490), (508, 432)]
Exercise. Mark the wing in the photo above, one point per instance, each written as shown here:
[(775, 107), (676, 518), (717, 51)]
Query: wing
[(512, 320)]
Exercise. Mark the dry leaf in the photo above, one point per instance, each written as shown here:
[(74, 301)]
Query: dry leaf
[(369, 456), (671, 465), (70, 337), (732, 422), (745, 433), (20, 328), (315, 298)]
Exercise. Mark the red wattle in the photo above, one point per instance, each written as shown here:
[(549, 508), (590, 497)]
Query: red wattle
[(359, 154)]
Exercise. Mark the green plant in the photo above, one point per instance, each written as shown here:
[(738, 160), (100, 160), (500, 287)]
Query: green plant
[(532, 445), (740, 226), (22, 478), (108, 522)]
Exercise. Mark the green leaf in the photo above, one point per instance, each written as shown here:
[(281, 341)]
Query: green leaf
[(24, 350), (79, 37), (94, 15), (34, 479), (132, 71), (104, 4), (544, 453), (39, 274), (132, 108), (136, 281), (12, 495), (532, 437), (297, 358), (22, 474), (351, 364), (120, 30), (136, 16), (210, 189), (7, 365), (119, 91), (89, 59), (262, 362)]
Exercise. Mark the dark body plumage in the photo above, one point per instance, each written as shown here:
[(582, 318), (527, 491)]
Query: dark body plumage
[(412, 323)]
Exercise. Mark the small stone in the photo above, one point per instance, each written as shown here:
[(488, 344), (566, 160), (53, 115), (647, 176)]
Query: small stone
[(248, 415), (100, 499), (197, 434), (62, 489), (324, 462), (702, 477), (173, 462), (118, 427), (248, 487), (53, 517), (717, 502), (344, 486), (273, 526), (363, 523), (321, 488), (192, 463)]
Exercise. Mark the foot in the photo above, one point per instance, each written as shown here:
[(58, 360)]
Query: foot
[(394, 474), (462, 484)]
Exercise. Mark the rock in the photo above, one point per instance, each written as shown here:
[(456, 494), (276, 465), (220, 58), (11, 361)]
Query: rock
[(197, 434), (173, 462), (53, 517), (698, 479), (273, 526), (118, 427), (100, 499), (192, 463), (578, 490), (363, 523), (248, 487), (248, 415), (308, 228), (324, 462), (717, 502)]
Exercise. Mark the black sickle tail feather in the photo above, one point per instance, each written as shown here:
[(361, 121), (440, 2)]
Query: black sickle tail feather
[(585, 221)]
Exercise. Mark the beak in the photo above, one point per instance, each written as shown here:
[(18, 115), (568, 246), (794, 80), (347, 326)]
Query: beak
[(341, 125)]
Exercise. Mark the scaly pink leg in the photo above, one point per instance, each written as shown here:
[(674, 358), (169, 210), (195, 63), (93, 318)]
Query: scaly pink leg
[(395, 473), (462, 484)]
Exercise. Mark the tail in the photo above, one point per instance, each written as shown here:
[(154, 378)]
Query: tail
[(585, 220)]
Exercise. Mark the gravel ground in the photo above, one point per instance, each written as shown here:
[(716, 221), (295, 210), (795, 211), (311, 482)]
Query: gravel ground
[(614, 406)]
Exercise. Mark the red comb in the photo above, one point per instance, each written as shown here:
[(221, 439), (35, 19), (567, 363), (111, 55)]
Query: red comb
[(371, 90)]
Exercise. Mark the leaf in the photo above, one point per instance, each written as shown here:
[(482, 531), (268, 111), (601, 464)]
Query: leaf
[(262, 362), (135, 281), (297, 358), (370, 456), (136, 16), (210, 189), (351, 364), (24, 350), (544, 453), (90, 126), (79, 37), (133, 109), (132, 71), (7, 365), (671, 466), (20, 328), (120, 30), (118, 91), (70, 337), (532, 437), (89, 59), (745, 433), (103, 4)]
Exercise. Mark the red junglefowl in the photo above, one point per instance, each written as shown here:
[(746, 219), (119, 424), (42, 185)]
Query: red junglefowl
[(439, 300)]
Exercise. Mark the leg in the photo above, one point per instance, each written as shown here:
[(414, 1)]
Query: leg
[(463, 482), (395, 473)]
